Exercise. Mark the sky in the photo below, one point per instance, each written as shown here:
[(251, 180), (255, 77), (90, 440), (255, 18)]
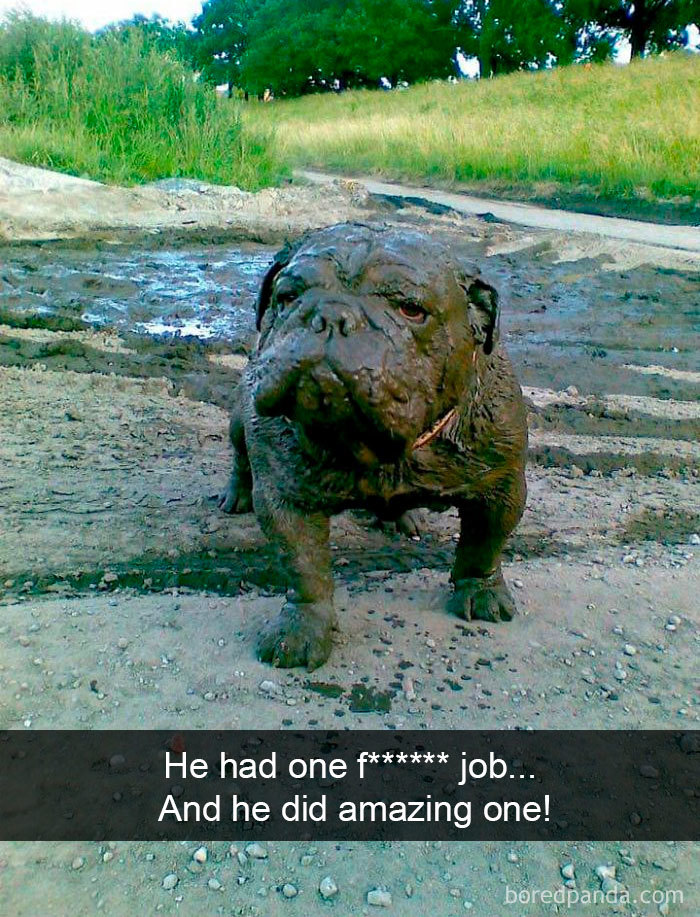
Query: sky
[(94, 14)]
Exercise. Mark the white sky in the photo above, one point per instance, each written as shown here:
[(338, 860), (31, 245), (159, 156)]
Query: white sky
[(96, 13)]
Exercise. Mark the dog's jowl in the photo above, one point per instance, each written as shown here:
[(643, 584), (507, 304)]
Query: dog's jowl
[(379, 383)]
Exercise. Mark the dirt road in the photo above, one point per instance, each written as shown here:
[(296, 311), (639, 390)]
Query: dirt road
[(684, 238), (127, 599)]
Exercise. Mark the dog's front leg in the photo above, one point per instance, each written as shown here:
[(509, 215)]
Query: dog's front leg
[(302, 634), (480, 590)]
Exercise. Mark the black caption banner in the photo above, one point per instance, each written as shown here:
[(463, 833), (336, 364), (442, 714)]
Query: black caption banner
[(354, 785)]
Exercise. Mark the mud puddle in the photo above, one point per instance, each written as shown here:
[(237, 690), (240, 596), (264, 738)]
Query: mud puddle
[(198, 291)]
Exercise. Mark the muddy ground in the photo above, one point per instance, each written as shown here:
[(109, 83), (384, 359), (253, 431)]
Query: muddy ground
[(128, 600)]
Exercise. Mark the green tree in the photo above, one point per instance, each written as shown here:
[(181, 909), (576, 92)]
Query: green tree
[(650, 25), (509, 35), (299, 46), (222, 37), (294, 47), (407, 40)]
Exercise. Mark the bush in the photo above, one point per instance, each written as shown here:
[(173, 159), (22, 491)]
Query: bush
[(116, 108)]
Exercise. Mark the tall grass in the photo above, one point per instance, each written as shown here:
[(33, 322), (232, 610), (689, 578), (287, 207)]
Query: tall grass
[(117, 109), (605, 130)]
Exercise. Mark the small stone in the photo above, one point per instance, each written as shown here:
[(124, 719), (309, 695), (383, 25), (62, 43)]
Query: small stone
[(630, 650), (512, 856), (214, 884), (664, 908), (200, 855), (605, 871), (289, 890), (78, 863), (122, 643), (568, 870), (572, 391), (306, 860), (107, 856), (23, 640), (519, 584), (694, 539), (649, 771), (576, 472), (674, 619), (256, 851), (609, 885), (379, 897), (635, 818), (209, 695), (268, 687), (117, 761), (241, 857), (170, 881), (620, 674), (327, 888)]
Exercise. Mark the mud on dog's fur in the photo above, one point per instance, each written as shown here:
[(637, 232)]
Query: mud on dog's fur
[(378, 382)]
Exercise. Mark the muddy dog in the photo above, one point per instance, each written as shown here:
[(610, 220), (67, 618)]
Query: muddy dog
[(378, 383)]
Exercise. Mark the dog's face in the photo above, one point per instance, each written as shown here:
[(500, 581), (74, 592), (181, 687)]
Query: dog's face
[(368, 337)]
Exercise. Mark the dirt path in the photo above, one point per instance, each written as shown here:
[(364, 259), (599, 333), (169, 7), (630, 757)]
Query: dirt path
[(684, 238), (127, 599)]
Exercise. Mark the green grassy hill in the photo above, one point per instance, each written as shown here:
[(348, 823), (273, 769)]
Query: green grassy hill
[(602, 131)]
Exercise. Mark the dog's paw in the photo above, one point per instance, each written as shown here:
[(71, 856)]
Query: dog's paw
[(484, 598), (236, 499), (411, 523), (302, 635)]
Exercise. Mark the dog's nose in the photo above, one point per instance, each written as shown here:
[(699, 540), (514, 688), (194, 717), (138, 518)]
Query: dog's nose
[(335, 317)]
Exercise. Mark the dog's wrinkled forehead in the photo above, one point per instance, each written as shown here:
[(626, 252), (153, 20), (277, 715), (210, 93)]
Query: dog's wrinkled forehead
[(351, 251)]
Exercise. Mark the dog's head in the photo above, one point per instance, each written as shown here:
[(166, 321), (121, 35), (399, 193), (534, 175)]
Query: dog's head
[(368, 336)]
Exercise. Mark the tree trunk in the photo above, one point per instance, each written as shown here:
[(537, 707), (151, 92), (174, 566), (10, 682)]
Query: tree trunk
[(639, 29), (230, 89)]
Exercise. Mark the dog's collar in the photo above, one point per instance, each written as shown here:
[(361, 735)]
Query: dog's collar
[(435, 430)]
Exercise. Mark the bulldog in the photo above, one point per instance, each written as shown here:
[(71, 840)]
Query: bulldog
[(379, 383)]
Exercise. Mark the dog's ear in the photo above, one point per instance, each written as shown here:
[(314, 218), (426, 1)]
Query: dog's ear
[(282, 259), (482, 307)]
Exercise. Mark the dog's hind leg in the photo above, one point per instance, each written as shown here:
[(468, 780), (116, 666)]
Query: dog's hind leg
[(238, 497)]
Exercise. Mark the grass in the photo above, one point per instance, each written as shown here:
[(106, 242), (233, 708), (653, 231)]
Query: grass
[(615, 132), (116, 109)]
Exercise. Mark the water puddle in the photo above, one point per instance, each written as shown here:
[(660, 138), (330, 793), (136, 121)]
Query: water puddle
[(200, 291)]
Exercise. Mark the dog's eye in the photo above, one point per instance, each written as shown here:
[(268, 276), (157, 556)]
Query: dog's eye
[(413, 312), (285, 297)]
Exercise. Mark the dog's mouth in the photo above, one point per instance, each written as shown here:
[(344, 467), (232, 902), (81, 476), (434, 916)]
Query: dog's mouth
[(338, 412)]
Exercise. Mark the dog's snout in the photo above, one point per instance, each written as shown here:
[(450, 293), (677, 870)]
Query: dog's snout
[(335, 316)]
